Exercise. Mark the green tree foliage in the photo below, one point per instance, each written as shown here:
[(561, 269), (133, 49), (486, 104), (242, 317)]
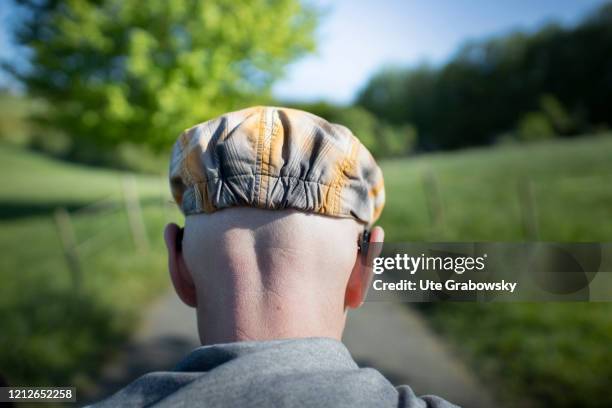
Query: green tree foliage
[(488, 87), (127, 70), (394, 95)]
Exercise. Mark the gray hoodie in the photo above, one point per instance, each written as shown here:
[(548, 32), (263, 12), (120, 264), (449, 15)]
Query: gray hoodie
[(312, 372)]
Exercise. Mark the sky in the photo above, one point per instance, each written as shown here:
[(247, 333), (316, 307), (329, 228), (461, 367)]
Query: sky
[(358, 37)]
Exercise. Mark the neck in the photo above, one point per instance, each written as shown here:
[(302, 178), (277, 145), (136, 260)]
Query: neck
[(243, 316)]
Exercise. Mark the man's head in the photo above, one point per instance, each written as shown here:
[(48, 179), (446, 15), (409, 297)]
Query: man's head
[(276, 203)]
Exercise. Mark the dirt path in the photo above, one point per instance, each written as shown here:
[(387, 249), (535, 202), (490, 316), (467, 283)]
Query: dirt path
[(384, 335), (395, 340), (167, 334)]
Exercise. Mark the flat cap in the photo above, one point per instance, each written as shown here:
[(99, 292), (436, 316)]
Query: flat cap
[(275, 158)]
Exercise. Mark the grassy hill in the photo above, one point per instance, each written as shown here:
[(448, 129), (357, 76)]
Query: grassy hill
[(554, 354), (479, 193), (53, 332), (541, 354)]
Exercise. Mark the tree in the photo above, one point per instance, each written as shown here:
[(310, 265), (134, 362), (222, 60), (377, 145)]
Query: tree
[(127, 70), (560, 73)]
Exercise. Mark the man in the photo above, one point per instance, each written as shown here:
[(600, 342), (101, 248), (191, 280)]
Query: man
[(277, 204)]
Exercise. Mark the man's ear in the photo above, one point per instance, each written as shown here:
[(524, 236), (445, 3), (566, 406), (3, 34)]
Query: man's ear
[(361, 275), (180, 275)]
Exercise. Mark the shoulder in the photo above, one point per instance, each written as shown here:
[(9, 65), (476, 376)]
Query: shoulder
[(407, 399)]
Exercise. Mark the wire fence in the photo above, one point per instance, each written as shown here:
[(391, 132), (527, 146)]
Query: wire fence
[(75, 248), (130, 204)]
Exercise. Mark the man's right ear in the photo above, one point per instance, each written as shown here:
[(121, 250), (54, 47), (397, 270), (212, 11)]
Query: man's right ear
[(179, 274), (361, 275)]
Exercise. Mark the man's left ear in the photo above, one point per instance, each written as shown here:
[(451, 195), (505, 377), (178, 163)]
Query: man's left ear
[(361, 275), (179, 273)]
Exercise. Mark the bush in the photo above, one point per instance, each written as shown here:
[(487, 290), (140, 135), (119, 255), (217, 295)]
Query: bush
[(535, 126), (557, 114), (397, 140)]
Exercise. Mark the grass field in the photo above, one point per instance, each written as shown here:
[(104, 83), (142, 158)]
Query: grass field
[(548, 354), (543, 354), (52, 332)]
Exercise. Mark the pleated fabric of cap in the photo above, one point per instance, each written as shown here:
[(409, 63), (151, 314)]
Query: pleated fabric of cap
[(275, 158)]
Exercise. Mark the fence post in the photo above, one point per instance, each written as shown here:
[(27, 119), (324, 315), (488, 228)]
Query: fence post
[(68, 241), (132, 206), (434, 202), (527, 201)]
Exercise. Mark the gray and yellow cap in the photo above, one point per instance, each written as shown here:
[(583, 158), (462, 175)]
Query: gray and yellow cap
[(275, 158)]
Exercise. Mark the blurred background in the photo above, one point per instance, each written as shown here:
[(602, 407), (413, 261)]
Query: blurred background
[(491, 121)]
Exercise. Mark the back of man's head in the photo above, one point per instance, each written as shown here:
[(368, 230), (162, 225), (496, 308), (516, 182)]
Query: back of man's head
[(281, 273), (276, 202)]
